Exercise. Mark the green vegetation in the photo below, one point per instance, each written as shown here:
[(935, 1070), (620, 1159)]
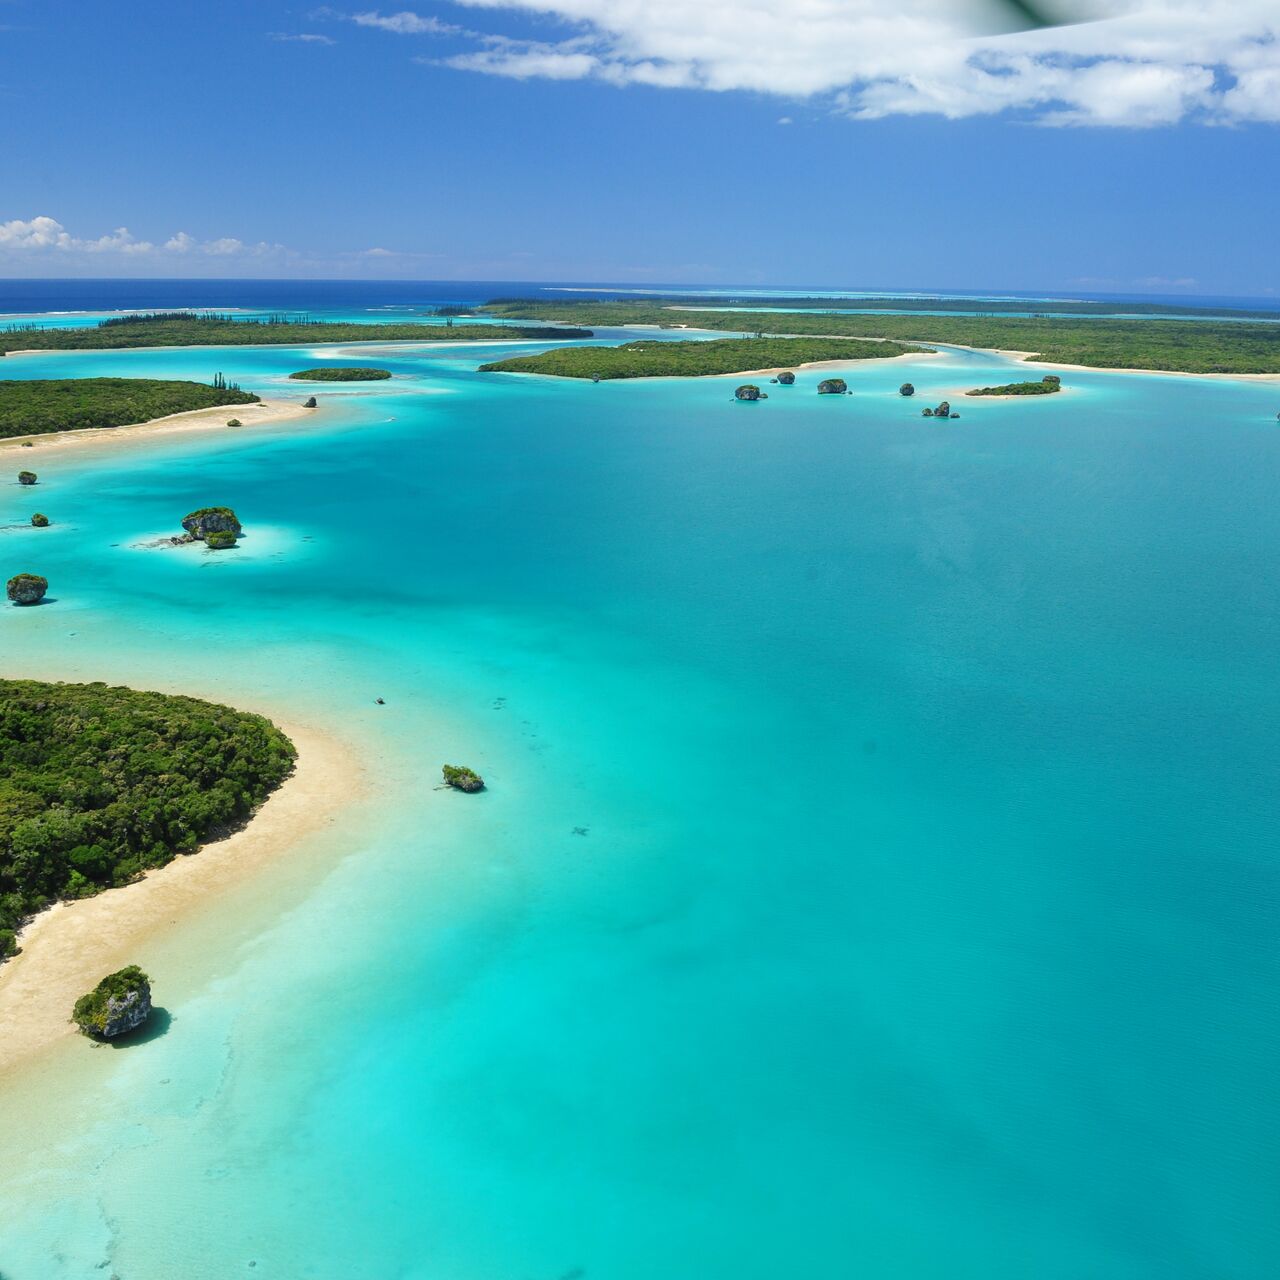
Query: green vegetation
[(1191, 346), (190, 329), (341, 375), (1037, 307), (126, 992), (220, 540), (460, 778), (43, 406), (654, 358), (27, 477), (832, 387), (40, 520), (98, 784), (1045, 387), (210, 520), (234, 422)]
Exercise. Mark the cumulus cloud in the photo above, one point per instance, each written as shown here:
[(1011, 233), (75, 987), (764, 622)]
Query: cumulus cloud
[(48, 236), (1137, 63)]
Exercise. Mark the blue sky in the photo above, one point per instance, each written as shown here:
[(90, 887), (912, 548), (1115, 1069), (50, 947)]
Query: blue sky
[(801, 142)]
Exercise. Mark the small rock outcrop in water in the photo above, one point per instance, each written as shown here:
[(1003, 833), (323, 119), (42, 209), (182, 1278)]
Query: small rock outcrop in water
[(748, 391), (460, 778), (832, 387), (40, 520), (926, 413), (234, 422), (27, 588), (200, 524), (907, 389), (309, 402), (27, 477), (943, 410), (120, 1003), (220, 540), (787, 379)]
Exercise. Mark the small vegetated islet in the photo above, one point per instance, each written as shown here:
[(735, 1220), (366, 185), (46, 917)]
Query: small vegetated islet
[(352, 374)]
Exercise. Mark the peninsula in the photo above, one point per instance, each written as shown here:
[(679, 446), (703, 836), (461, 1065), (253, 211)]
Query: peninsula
[(41, 406), (200, 329), (655, 358), (1180, 346), (99, 784)]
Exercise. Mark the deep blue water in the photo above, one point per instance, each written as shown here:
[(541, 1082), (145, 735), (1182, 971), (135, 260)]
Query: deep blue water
[(923, 926)]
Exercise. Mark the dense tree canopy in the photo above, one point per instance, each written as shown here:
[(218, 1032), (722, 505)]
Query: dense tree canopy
[(97, 784), (1191, 346), (655, 358), (40, 406)]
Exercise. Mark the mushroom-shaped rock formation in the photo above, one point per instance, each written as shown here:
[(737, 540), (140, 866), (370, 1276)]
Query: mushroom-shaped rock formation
[(955, 415), (460, 778), (907, 389), (832, 387), (40, 520), (943, 410), (27, 588), (748, 391), (27, 477), (120, 1003), (200, 524), (926, 413), (309, 402), (787, 379), (219, 539)]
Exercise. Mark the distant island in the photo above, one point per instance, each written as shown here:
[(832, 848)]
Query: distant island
[(1185, 346), (191, 329), (41, 406), (654, 358), (341, 375), (100, 784), (1044, 387)]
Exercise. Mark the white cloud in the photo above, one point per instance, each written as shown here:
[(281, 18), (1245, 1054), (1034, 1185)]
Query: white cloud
[(302, 37), (44, 235), (1146, 63), (403, 23)]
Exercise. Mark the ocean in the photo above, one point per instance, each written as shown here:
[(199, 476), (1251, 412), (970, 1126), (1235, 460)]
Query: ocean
[(878, 873)]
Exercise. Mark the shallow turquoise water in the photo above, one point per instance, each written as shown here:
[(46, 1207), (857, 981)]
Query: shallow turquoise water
[(924, 923)]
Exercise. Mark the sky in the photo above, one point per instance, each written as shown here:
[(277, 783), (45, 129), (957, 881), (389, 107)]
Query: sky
[(841, 143)]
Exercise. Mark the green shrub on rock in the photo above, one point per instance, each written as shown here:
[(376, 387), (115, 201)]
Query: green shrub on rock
[(460, 778), (220, 540), (120, 1003), (27, 588), (40, 520)]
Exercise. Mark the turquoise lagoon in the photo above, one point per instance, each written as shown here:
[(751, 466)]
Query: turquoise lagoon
[(878, 876)]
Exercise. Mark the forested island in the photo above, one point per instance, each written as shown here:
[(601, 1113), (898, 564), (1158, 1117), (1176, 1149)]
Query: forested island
[(98, 784), (190, 329), (1037, 307), (352, 374), (654, 358), (40, 406), (1043, 387), (1186, 346)]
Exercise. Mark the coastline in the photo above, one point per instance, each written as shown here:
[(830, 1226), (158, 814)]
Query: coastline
[(1030, 357), (68, 948), (264, 413)]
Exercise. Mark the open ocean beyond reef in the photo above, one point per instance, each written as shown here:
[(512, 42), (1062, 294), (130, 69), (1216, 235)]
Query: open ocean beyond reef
[(878, 875)]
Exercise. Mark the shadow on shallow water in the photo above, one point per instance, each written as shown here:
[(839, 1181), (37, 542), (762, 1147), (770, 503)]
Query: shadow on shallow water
[(157, 1025)]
